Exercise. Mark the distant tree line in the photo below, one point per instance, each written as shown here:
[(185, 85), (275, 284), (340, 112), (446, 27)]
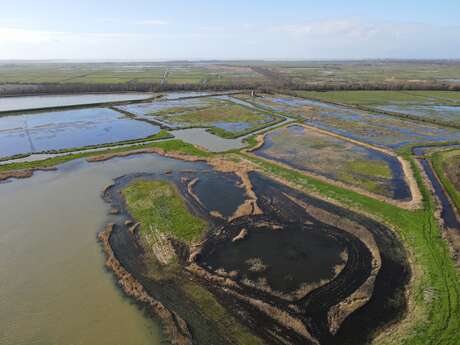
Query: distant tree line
[(275, 82)]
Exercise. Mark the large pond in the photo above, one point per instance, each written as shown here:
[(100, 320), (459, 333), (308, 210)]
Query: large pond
[(54, 289), (35, 102), (37, 132)]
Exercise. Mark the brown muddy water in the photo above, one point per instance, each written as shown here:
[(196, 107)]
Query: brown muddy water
[(54, 288)]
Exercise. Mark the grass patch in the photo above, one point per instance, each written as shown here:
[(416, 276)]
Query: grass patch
[(370, 168), (159, 207)]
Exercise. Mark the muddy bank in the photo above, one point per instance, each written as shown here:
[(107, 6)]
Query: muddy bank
[(20, 174), (175, 327)]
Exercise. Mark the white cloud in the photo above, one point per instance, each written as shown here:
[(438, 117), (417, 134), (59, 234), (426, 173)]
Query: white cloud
[(346, 38), (152, 22), (10, 35)]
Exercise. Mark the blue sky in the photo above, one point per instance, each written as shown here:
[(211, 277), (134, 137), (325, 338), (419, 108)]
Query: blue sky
[(175, 29)]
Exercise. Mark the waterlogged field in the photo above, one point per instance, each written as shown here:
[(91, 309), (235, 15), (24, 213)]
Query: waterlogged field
[(321, 154), (447, 114), (55, 130), (225, 116), (436, 106), (378, 129)]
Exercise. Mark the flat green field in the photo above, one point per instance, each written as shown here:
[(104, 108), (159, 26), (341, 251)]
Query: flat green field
[(221, 73)]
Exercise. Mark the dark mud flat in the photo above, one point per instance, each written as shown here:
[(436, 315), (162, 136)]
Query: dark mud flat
[(280, 270)]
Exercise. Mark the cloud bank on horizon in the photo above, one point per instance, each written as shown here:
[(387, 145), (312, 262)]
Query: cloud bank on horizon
[(203, 30)]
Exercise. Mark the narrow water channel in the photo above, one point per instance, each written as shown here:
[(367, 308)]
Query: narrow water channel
[(448, 214)]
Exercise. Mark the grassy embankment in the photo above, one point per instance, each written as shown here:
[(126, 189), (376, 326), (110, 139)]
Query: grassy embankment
[(446, 163), (167, 146), (159, 207), (436, 287), (163, 134)]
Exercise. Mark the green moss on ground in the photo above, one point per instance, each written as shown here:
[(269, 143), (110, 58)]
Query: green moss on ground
[(159, 207)]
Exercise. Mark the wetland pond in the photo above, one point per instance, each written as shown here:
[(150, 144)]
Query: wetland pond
[(55, 130), (49, 101), (307, 150)]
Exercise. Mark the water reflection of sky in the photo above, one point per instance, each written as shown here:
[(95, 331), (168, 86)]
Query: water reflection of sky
[(66, 129)]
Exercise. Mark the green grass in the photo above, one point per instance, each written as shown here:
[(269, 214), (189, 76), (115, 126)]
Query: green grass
[(371, 168), (420, 232), (159, 207)]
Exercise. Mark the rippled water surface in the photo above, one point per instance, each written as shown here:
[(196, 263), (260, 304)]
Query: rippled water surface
[(54, 288)]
